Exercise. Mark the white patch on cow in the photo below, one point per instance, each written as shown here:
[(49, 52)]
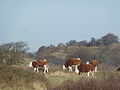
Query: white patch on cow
[(45, 69), (88, 74), (64, 67), (35, 69), (92, 72), (70, 68), (30, 64), (78, 58), (45, 60), (87, 62), (76, 69), (96, 69)]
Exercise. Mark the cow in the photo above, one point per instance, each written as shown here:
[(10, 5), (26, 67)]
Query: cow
[(71, 62), (38, 64), (85, 68), (118, 69), (94, 63)]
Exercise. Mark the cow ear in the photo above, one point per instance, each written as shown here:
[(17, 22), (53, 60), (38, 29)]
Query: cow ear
[(87, 62), (45, 60), (78, 58)]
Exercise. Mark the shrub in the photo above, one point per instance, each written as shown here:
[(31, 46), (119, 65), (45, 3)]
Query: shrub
[(14, 77)]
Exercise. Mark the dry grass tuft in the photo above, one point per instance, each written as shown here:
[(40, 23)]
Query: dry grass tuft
[(20, 79)]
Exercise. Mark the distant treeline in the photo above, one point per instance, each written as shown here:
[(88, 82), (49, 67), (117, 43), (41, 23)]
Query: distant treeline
[(105, 49)]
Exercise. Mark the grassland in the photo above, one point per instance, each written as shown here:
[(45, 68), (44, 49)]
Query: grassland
[(23, 78)]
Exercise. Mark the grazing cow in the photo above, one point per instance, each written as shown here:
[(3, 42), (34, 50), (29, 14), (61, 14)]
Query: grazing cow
[(38, 64), (94, 63), (71, 62), (118, 69), (87, 68)]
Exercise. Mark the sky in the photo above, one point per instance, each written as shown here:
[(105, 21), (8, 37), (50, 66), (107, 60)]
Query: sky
[(45, 22)]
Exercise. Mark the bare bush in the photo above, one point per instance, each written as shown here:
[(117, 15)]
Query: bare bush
[(13, 53)]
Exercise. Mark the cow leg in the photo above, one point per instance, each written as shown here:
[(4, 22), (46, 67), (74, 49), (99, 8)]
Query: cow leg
[(34, 69), (64, 67), (37, 69), (80, 73), (96, 69), (45, 68), (70, 68), (88, 74), (76, 69), (92, 73)]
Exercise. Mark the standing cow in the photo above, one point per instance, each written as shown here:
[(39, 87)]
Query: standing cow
[(89, 67), (71, 62), (85, 68), (38, 64)]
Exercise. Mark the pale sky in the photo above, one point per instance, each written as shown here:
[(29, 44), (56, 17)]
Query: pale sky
[(45, 22)]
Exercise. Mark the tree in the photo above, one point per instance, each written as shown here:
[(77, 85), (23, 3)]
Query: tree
[(83, 43), (109, 39), (93, 42), (72, 43)]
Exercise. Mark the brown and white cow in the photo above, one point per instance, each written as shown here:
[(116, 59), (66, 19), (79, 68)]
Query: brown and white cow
[(38, 64), (71, 62), (85, 68), (94, 63)]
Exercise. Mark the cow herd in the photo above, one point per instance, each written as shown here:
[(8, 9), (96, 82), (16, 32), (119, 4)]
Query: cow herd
[(88, 67), (80, 68)]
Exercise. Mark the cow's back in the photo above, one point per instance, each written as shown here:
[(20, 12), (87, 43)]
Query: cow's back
[(41, 63), (75, 61), (72, 61), (85, 67)]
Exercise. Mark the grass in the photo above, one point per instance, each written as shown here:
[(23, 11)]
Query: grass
[(59, 77), (105, 79), (19, 78)]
